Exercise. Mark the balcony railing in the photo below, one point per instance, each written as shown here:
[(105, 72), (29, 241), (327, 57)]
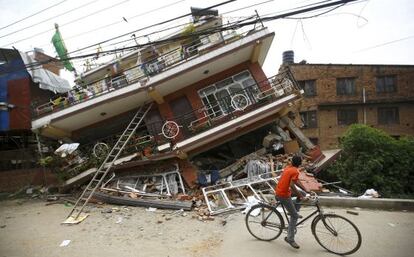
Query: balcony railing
[(208, 117), (153, 65)]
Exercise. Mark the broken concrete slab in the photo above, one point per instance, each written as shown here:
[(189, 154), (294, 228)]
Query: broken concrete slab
[(77, 180)]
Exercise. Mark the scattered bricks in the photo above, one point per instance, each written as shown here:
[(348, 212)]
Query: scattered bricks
[(159, 221), (183, 197)]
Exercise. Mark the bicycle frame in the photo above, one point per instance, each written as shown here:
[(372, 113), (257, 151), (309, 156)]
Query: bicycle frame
[(318, 210)]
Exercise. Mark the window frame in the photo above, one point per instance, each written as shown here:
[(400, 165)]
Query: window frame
[(225, 85), (381, 113), (305, 117), (346, 122), (343, 92), (304, 83), (385, 88)]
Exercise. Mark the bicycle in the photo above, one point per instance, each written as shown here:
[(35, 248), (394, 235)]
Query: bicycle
[(333, 232)]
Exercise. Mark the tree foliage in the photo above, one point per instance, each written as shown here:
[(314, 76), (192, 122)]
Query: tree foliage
[(373, 159)]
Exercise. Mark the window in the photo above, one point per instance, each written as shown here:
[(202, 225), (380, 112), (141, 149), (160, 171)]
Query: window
[(347, 116), (217, 97), (309, 86), (309, 119), (386, 84), (388, 115), (345, 86)]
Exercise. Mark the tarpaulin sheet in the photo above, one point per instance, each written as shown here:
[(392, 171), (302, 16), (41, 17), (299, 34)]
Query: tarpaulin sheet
[(46, 79)]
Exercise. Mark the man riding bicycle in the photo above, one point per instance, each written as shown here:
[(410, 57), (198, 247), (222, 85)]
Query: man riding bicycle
[(287, 183)]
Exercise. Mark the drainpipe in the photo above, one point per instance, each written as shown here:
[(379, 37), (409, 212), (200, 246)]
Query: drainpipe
[(363, 101)]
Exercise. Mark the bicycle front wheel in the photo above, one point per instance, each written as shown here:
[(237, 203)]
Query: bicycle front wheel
[(264, 222), (336, 234)]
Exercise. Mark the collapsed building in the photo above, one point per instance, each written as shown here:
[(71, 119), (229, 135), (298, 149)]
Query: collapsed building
[(172, 116)]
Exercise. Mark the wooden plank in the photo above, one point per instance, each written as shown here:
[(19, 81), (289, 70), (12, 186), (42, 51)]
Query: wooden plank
[(161, 204)]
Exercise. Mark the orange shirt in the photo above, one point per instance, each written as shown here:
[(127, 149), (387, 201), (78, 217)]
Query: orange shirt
[(290, 173)]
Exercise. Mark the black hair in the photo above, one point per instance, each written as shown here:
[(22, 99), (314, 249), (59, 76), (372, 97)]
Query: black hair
[(296, 161)]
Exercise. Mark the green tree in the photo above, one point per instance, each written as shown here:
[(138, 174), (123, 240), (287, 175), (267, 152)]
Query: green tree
[(373, 159)]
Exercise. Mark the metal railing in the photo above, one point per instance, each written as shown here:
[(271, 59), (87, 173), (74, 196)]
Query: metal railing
[(152, 135), (153, 65), (224, 109)]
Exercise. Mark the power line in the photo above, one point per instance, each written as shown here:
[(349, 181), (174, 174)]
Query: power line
[(36, 13), (208, 31), (72, 21), (48, 19), (156, 24), (117, 22), (384, 44)]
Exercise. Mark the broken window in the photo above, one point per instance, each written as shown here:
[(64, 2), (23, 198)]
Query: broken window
[(388, 115), (345, 86), (309, 86), (217, 98), (309, 119), (347, 116), (386, 84)]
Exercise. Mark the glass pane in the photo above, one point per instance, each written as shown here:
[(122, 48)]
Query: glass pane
[(224, 83), (241, 76), (248, 82), (235, 89)]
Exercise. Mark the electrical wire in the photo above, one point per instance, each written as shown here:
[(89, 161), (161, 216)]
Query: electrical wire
[(150, 26), (384, 44), (203, 32), (48, 19), (70, 22), (117, 22), (34, 14)]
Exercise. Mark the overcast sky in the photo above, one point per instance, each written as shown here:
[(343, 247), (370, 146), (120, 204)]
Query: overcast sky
[(370, 32)]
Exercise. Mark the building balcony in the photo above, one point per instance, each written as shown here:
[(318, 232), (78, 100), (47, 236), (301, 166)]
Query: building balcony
[(154, 68), (215, 123), (108, 98)]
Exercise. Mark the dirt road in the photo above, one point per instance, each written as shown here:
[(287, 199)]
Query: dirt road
[(29, 228)]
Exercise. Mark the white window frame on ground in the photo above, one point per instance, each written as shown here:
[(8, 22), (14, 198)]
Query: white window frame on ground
[(230, 86)]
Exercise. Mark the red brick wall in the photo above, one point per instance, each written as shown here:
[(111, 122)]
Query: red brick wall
[(15, 179), (19, 95), (326, 102)]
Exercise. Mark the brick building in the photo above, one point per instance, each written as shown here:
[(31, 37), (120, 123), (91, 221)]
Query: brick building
[(337, 95)]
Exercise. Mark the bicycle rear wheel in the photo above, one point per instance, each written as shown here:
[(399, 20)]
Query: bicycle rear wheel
[(264, 222), (336, 234)]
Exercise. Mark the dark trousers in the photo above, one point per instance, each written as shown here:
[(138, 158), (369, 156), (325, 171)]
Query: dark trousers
[(292, 208)]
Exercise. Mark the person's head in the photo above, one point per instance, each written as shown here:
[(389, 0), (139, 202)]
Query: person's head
[(296, 161)]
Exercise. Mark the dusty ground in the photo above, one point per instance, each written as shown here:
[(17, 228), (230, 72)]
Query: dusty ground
[(29, 228), (33, 229)]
